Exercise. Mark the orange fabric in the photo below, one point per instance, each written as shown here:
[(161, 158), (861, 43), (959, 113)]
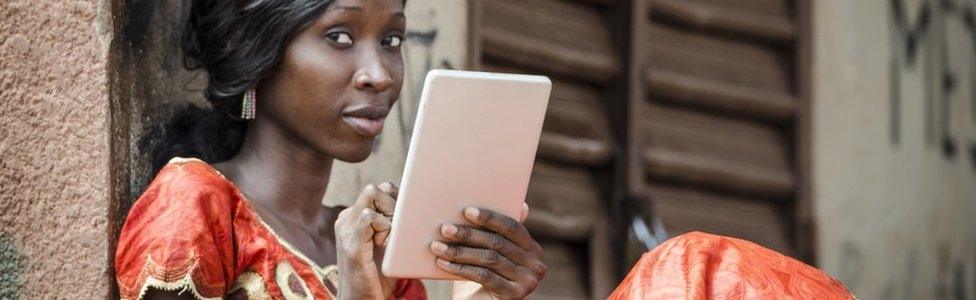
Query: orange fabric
[(192, 230), (705, 266)]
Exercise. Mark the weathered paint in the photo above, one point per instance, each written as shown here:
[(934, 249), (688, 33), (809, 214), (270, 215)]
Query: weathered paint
[(11, 268)]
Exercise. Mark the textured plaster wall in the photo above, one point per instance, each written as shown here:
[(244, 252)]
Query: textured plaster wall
[(894, 139), (54, 175)]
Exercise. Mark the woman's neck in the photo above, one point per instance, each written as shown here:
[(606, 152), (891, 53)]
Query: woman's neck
[(281, 173)]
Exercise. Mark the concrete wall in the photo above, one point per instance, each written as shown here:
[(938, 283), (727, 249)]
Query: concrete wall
[(54, 148), (894, 135)]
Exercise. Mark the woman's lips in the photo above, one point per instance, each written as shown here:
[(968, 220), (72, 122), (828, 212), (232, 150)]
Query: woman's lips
[(366, 120), (365, 126)]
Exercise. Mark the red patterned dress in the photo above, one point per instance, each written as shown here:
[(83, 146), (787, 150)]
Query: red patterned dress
[(193, 231), (705, 266)]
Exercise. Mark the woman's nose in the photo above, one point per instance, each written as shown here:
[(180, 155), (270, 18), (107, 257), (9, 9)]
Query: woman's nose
[(373, 74)]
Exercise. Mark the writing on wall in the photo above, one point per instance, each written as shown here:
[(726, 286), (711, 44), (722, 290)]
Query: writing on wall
[(921, 43)]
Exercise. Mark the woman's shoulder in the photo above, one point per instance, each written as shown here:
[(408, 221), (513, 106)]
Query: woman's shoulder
[(179, 233), (190, 174), (185, 191), (184, 183)]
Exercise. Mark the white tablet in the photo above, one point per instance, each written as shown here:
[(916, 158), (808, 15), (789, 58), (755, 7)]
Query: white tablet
[(473, 144)]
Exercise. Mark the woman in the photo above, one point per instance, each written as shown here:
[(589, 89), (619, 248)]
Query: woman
[(293, 85)]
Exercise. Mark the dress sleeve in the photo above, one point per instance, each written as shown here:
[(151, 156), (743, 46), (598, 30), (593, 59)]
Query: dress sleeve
[(698, 265), (178, 236), (409, 289)]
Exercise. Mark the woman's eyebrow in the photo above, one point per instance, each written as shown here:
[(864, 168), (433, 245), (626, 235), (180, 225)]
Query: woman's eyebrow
[(344, 7)]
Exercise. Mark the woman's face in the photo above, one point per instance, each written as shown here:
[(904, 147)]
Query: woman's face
[(338, 78)]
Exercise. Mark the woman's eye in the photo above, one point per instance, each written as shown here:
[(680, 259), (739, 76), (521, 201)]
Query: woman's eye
[(393, 41), (340, 37)]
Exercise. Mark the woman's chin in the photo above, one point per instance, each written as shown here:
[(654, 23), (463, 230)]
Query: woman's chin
[(355, 154)]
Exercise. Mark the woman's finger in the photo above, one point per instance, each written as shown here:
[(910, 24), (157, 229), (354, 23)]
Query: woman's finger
[(486, 258), (372, 225), (376, 199), (390, 189), (525, 212), (503, 225), (488, 279), (473, 237)]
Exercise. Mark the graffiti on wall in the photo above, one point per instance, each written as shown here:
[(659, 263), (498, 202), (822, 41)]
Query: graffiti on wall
[(927, 29), (420, 47)]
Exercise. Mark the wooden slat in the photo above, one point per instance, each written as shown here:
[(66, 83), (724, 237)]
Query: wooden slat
[(717, 152), (576, 110), (742, 21), (804, 231), (563, 201), (771, 8), (683, 210), (603, 261), (718, 59), (574, 150), (576, 129), (714, 73), (564, 38), (599, 2), (689, 90)]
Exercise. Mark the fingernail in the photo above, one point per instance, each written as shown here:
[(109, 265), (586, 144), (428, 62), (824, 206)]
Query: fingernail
[(471, 212), (448, 230), (442, 262), (438, 247)]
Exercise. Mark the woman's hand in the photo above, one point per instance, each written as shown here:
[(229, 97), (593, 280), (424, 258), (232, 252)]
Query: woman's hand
[(493, 250), (361, 231)]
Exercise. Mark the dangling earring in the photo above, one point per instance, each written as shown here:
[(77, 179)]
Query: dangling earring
[(247, 108)]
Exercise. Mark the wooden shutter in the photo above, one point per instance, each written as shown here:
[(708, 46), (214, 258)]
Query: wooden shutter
[(714, 112), (708, 97), (569, 41)]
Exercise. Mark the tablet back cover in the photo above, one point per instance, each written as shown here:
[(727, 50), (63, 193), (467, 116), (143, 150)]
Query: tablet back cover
[(474, 144)]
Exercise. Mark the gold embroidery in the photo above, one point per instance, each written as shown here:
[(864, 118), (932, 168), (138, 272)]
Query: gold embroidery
[(331, 274), (168, 281), (183, 160), (252, 285), (292, 285)]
